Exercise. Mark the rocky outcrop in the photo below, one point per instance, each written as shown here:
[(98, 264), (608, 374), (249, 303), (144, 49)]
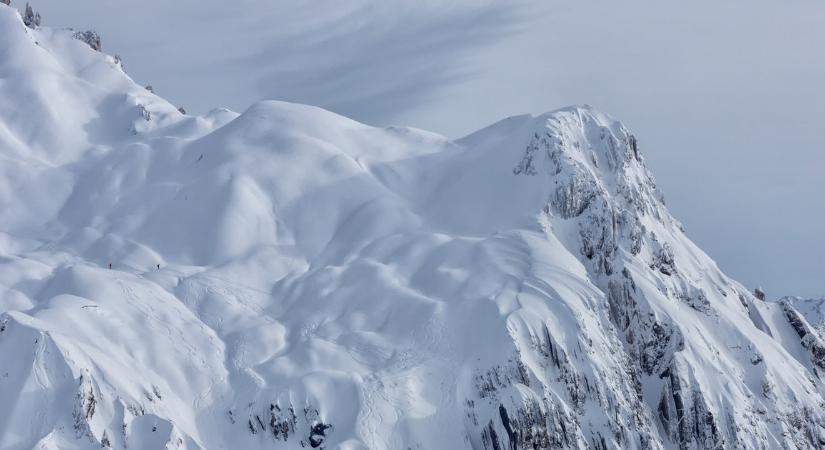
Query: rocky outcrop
[(31, 18), (663, 260), (685, 416), (650, 343), (91, 38), (809, 339), (283, 424), (84, 410)]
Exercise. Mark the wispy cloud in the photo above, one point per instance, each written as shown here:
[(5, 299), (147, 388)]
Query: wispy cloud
[(378, 59), (369, 59)]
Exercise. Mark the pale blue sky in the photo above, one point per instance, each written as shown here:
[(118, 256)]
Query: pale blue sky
[(727, 98)]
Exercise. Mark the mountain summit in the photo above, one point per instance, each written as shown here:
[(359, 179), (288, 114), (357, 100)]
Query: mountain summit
[(289, 278)]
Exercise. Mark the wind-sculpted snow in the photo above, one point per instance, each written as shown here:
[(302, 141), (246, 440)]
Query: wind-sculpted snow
[(289, 278)]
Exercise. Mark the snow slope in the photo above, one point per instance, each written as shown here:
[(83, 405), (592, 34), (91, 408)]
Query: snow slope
[(289, 278)]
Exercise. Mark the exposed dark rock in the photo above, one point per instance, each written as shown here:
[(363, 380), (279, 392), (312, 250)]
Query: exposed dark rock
[(809, 339), (759, 293), (572, 198), (30, 18), (663, 258), (695, 297), (505, 420), (527, 165), (144, 113), (649, 342), (532, 425), (318, 434), (597, 235), (85, 407), (282, 422), (500, 377), (633, 145), (489, 437), (685, 417), (807, 428), (91, 38)]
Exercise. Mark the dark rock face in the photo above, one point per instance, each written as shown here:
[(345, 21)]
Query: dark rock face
[(318, 434), (104, 441), (144, 113), (650, 343), (663, 259), (283, 424), (598, 242), (685, 416), (30, 18), (489, 437), (809, 339), (91, 38), (807, 428), (604, 190), (573, 198), (527, 164), (500, 377), (516, 408), (532, 425), (695, 297), (602, 185), (759, 293), (528, 423), (86, 403)]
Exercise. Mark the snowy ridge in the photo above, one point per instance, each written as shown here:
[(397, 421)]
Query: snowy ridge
[(812, 309), (289, 278)]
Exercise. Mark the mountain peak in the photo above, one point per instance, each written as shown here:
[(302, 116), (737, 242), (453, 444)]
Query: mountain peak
[(288, 277)]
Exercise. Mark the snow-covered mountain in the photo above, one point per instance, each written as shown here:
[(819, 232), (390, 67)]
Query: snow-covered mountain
[(289, 278)]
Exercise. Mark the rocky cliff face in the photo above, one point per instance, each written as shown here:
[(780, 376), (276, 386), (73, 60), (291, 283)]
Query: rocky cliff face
[(666, 302), (811, 309), (290, 278)]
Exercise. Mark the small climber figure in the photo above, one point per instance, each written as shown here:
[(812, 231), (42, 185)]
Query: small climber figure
[(158, 266), (110, 265)]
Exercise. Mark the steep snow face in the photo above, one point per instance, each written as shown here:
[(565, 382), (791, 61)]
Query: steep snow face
[(288, 277), (812, 309), (687, 331)]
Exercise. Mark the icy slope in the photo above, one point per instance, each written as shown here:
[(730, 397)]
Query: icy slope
[(327, 284)]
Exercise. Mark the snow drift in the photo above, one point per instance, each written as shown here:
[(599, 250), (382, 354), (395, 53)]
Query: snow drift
[(289, 278)]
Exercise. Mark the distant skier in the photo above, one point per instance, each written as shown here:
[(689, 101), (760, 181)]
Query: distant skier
[(110, 265), (158, 266)]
